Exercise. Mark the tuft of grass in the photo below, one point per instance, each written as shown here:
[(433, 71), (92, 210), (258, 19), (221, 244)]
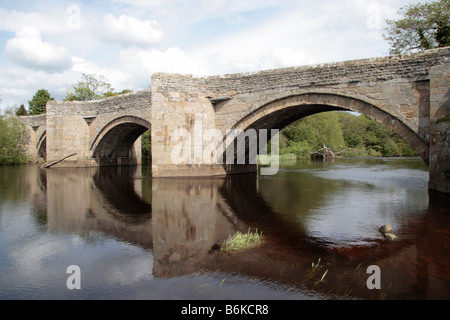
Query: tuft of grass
[(243, 241)]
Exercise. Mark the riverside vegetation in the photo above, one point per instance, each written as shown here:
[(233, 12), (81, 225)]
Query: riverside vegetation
[(351, 135), (13, 139)]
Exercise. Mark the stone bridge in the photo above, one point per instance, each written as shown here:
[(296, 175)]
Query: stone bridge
[(101, 133), (193, 116)]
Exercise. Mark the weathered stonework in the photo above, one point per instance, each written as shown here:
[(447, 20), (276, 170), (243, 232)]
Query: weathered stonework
[(37, 147), (440, 128), (407, 93), (80, 127)]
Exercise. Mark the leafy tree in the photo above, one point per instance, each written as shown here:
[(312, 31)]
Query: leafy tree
[(21, 111), (424, 26), (14, 137), (39, 102), (146, 147), (317, 130), (91, 87)]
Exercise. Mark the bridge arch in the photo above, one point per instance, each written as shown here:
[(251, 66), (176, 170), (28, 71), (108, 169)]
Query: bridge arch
[(113, 142), (278, 113)]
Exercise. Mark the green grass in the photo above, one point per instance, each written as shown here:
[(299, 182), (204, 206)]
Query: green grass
[(243, 241)]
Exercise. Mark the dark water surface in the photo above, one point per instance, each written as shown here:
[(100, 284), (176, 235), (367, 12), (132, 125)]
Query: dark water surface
[(137, 238)]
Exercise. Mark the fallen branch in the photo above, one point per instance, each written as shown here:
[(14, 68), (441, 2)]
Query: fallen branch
[(45, 165), (327, 153)]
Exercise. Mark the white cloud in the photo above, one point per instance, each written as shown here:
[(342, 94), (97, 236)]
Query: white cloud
[(114, 75), (141, 64), (288, 40), (28, 50), (128, 30), (13, 21), (143, 3), (307, 34)]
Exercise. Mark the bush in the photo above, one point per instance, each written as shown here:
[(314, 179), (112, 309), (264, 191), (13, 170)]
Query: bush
[(14, 138), (301, 149), (147, 147)]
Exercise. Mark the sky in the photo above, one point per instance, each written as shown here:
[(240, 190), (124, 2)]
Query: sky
[(49, 44)]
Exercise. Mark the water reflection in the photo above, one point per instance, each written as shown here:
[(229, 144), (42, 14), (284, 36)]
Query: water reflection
[(104, 200), (156, 239)]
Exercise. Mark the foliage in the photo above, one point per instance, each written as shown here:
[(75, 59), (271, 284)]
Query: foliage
[(424, 26), (146, 147), (317, 130), (21, 111), (39, 102), (340, 130), (112, 94), (91, 87), (14, 137), (302, 149)]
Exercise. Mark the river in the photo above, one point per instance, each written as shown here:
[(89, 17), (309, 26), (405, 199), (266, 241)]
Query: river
[(133, 237)]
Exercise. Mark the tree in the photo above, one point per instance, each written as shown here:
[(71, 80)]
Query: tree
[(14, 137), (147, 147), (424, 26), (21, 111), (317, 130), (91, 87), (39, 102)]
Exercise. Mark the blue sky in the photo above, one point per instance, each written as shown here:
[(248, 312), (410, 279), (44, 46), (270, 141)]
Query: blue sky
[(50, 44)]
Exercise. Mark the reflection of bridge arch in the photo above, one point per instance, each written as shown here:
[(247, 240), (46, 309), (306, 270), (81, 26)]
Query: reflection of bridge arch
[(115, 140), (41, 145), (279, 113), (117, 187)]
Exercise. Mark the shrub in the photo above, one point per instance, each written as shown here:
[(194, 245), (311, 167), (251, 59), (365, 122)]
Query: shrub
[(14, 137)]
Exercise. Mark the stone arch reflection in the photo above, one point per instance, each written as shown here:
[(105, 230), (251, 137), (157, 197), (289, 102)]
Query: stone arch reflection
[(82, 201), (118, 187)]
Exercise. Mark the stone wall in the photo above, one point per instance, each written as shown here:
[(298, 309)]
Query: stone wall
[(37, 128), (73, 127), (440, 128)]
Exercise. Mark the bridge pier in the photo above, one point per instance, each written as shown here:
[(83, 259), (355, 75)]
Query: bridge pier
[(440, 128)]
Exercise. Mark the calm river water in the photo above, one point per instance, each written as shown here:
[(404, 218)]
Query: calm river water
[(134, 237)]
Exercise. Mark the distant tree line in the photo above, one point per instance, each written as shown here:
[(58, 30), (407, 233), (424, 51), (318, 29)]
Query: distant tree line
[(356, 136)]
